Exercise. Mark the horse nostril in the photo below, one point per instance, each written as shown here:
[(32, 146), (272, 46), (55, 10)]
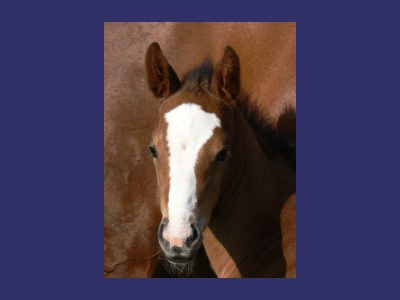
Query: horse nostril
[(195, 233), (160, 232), (194, 236)]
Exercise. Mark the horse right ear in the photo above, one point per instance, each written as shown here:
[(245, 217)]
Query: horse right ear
[(162, 79)]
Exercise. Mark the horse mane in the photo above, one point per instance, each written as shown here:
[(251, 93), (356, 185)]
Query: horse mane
[(263, 126), (200, 78)]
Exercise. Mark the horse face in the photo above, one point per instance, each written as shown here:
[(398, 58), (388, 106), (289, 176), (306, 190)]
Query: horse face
[(191, 149), (190, 146)]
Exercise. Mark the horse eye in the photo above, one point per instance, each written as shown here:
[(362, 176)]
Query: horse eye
[(153, 151), (222, 155)]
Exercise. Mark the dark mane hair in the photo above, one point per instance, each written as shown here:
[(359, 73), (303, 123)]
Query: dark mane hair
[(200, 77), (270, 134)]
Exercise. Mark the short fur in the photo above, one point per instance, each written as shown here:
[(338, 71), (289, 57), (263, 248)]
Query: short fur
[(200, 79), (241, 199)]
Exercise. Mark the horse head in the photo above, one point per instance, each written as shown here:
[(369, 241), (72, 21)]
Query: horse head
[(191, 145)]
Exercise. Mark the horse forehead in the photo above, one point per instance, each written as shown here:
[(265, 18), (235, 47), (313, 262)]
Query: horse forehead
[(189, 123)]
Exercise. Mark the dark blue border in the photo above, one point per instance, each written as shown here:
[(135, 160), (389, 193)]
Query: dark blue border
[(52, 148)]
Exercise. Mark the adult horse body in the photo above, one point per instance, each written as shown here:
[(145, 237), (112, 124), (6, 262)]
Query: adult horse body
[(131, 210)]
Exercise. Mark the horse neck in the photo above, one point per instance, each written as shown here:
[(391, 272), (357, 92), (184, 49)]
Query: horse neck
[(243, 238)]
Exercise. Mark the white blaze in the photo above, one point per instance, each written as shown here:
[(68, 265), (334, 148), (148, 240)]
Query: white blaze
[(189, 128)]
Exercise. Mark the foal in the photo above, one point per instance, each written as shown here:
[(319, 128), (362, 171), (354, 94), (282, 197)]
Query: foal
[(221, 172)]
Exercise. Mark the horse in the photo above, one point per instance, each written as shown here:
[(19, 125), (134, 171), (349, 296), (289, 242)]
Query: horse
[(131, 205), (224, 173)]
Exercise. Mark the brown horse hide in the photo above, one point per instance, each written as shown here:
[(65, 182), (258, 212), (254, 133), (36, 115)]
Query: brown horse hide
[(267, 53)]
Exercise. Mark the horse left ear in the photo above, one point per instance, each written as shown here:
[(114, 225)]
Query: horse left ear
[(228, 75)]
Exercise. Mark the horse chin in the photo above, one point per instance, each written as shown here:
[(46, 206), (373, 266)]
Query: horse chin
[(182, 267), (180, 261)]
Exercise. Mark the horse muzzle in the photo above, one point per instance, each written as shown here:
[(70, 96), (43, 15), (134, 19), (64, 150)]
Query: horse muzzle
[(182, 250)]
